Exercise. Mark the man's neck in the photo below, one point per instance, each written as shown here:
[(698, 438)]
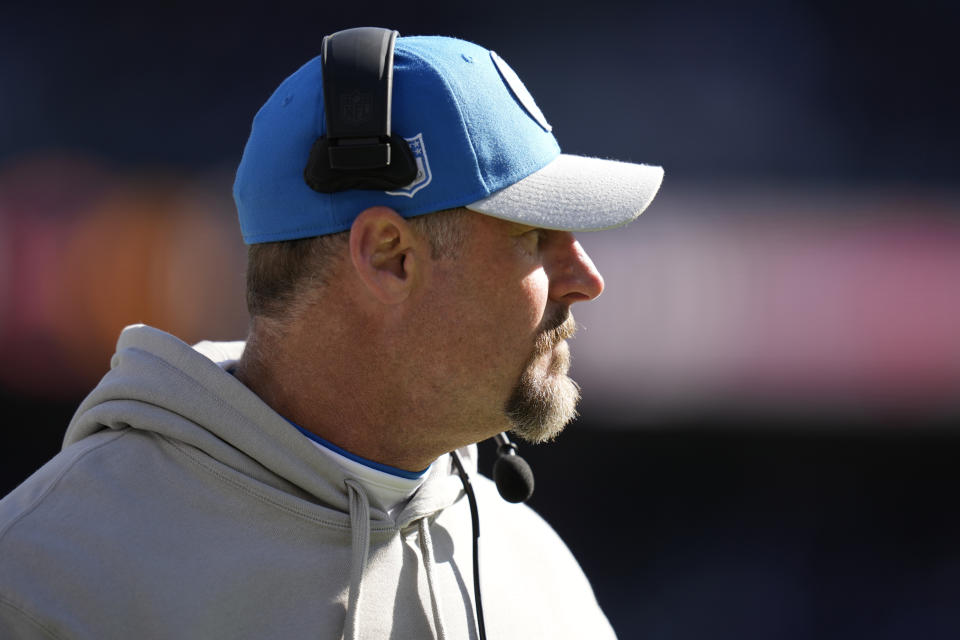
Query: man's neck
[(358, 399)]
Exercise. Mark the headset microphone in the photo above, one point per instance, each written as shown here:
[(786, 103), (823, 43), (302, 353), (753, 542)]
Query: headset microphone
[(514, 481), (512, 473)]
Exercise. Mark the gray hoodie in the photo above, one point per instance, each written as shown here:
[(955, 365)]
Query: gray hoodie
[(182, 506)]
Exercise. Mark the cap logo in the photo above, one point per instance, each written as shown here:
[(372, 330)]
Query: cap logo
[(424, 176), (519, 91)]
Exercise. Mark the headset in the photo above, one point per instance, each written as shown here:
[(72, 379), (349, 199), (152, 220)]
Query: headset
[(359, 150)]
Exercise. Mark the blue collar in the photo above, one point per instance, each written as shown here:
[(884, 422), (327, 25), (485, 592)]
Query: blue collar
[(379, 466)]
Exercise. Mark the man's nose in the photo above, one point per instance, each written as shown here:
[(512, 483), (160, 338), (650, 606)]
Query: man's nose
[(573, 276)]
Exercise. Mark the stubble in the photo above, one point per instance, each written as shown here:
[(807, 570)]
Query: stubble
[(545, 398)]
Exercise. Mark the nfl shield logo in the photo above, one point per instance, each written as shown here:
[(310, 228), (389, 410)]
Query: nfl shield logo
[(356, 107), (423, 168)]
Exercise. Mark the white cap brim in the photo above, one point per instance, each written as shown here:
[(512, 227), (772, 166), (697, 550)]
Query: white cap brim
[(575, 193)]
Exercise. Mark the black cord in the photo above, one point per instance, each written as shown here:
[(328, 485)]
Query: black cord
[(475, 517)]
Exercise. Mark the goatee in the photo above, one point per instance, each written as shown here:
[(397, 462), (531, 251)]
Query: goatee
[(545, 398)]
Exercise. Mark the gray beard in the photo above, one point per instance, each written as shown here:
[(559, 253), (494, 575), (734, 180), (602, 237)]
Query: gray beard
[(544, 402)]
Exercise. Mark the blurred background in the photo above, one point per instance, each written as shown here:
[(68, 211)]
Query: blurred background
[(768, 439)]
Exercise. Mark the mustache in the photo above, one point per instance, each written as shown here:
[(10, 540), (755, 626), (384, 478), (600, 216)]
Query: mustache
[(558, 327)]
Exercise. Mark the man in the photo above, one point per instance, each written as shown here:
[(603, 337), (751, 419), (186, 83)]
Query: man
[(305, 484)]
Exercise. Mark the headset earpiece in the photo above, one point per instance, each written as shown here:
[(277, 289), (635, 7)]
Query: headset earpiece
[(359, 151)]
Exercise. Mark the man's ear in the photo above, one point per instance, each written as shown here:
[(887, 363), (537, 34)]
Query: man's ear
[(386, 253)]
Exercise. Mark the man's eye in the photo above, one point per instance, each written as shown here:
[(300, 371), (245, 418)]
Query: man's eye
[(531, 241), (536, 236)]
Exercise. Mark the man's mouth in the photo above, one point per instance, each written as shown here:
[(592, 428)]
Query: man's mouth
[(562, 326)]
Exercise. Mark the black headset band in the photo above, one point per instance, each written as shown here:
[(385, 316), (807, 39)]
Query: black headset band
[(359, 150)]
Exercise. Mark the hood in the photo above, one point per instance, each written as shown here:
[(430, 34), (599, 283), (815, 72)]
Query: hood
[(160, 384)]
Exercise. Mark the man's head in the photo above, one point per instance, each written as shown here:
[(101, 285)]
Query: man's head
[(451, 293), (476, 136)]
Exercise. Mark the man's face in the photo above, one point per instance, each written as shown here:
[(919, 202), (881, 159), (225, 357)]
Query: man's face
[(506, 310)]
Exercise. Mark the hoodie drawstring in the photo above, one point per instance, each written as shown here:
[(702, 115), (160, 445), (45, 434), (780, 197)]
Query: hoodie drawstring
[(426, 548), (360, 547)]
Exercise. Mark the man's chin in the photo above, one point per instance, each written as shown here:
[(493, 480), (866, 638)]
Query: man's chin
[(541, 406)]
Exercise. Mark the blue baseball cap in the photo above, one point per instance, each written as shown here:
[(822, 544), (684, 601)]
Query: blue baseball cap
[(478, 138)]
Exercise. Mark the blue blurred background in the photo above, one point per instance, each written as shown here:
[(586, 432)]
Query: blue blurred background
[(768, 439)]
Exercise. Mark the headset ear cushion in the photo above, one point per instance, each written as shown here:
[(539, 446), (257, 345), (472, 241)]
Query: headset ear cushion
[(320, 177)]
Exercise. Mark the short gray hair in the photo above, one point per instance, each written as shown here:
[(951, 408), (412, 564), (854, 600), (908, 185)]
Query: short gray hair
[(280, 273)]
